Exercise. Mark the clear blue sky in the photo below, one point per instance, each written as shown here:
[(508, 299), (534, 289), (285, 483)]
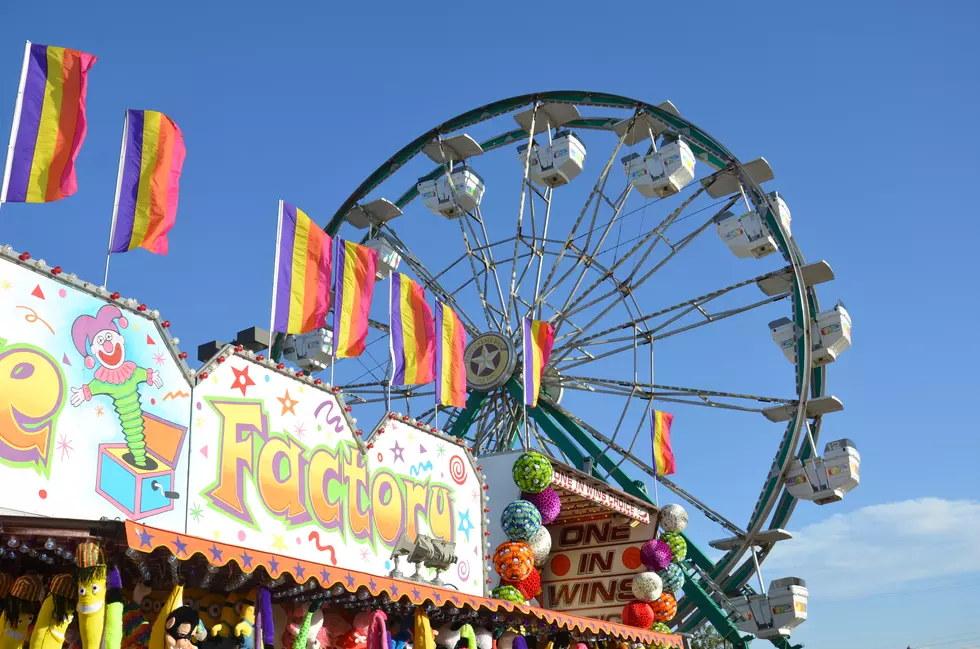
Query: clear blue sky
[(866, 111)]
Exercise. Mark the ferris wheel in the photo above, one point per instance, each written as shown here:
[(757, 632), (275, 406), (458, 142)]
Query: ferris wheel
[(661, 260)]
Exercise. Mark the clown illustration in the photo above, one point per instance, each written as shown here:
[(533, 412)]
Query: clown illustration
[(102, 346)]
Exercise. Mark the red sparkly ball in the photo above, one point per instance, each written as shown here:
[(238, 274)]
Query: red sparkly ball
[(530, 586), (664, 608), (638, 614)]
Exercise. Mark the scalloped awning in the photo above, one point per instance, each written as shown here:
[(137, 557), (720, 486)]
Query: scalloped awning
[(147, 539)]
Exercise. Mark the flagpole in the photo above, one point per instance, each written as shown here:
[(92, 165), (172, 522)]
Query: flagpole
[(275, 283), (653, 411), (115, 204), (391, 341), (15, 125)]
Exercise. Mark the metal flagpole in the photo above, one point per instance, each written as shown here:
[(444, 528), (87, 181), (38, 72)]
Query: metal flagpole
[(391, 341), (115, 204), (15, 125), (275, 284), (653, 413)]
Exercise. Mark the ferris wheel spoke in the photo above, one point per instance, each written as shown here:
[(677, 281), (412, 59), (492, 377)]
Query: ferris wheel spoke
[(489, 264), (675, 394), (491, 319), (520, 212)]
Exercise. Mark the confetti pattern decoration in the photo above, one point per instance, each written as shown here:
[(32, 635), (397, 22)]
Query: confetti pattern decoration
[(539, 336), (149, 182), (353, 290), (413, 334), (533, 472), (520, 520), (49, 125), (304, 262)]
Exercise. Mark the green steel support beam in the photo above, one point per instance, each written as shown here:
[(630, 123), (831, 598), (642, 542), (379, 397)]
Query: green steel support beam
[(474, 400), (554, 432), (715, 615)]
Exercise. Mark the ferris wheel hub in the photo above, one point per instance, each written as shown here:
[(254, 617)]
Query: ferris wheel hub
[(490, 361)]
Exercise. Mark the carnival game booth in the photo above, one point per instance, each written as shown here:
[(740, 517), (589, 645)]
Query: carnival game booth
[(157, 506), (594, 550)]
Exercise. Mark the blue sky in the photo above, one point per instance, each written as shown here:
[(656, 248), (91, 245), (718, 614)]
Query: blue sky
[(865, 111)]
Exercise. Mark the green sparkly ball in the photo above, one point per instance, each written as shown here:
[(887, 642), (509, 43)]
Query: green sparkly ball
[(678, 546), (660, 627), (508, 594), (532, 472)]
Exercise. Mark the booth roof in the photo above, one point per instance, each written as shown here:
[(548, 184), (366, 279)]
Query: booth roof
[(147, 539)]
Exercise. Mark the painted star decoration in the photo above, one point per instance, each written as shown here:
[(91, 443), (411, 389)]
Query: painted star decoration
[(299, 430), (440, 450), (398, 452), (99, 411), (158, 358), (5, 285), (465, 525), (64, 445), (242, 380), (197, 513), (278, 543), (288, 404)]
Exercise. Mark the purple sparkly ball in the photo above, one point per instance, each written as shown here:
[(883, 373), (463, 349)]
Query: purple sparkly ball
[(548, 503), (655, 554)]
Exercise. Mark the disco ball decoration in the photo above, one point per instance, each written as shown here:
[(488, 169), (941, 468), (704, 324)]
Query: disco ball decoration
[(508, 594), (520, 520), (532, 472), (678, 546), (673, 578), (660, 627), (540, 546), (647, 586), (530, 586), (665, 608), (513, 561), (638, 614), (547, 502), (655, 554), (673, 518)]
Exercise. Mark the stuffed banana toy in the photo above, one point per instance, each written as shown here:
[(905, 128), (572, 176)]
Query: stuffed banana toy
[(57, 612), (174, 601), (20, 609), (113, 611), (91, 593), (245, 629)]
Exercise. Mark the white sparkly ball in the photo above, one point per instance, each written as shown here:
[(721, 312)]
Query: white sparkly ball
[(647, 586), (673, 518), (540, 547)]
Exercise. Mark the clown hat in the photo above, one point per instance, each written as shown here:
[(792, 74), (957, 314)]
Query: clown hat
[(89, 555), (63, 586), (27, 588), (85, 327)]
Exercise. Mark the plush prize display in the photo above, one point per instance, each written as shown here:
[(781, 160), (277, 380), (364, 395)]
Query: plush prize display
[(20, 609), (174, 601), (513, 561), (533, 472), (6, 583), (665, 608), (540, 546), (245, 629), (638, 614), (673, 518), (677, 544), (548, 503), (112, 638), (655, 554), (229, 617), (520, 520), (180, 626), (647, 586), (673, 578), (57, 612), (508, 594), (91, 593)]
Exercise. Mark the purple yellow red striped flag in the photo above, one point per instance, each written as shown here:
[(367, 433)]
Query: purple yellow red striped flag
[(49, 125), (353, 291), (663, 454), (539, 336), (413, 335), (450, 345), (149, 182), (301, 293)]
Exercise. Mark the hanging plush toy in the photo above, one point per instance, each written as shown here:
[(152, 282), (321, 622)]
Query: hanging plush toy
[(113, 610), (245, 629), (91, 593), (229, 618), (6, 583), (158, 636), (57, 612), (180, 625), (21, 608)]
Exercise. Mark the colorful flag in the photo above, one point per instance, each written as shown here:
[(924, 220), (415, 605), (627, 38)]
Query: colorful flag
[(450, 345), (413, 335), (539, 336), (663, 454), (149, 182), (49, 125), (301, 294), (353, 290)]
